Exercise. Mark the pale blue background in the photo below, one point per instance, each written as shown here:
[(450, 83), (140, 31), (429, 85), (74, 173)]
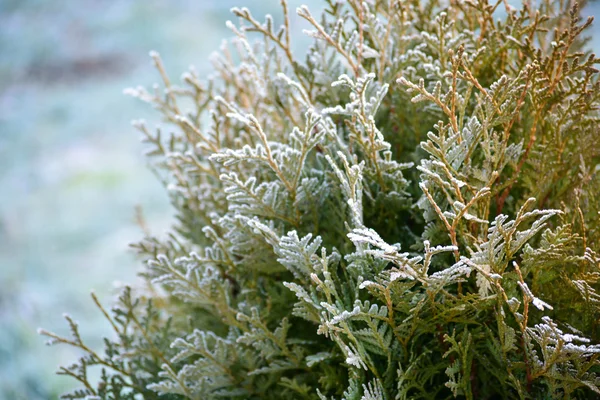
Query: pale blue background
[(71, 166)]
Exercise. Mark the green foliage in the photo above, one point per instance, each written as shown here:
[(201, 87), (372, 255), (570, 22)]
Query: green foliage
[(319, 252)]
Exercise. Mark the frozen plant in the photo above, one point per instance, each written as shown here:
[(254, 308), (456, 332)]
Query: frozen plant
[(410, 210)]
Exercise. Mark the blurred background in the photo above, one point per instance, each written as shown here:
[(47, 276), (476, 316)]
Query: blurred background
[(71, 167)]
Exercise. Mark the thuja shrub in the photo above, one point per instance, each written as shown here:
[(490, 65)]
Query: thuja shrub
[(408, 211)]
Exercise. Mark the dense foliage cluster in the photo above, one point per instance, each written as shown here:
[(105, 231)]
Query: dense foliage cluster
[(411, 211)]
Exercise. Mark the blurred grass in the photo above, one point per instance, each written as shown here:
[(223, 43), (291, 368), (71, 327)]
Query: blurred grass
[(71, 170)]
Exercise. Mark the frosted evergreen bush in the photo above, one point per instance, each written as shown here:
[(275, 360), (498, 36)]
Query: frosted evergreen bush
[(411, 210)]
